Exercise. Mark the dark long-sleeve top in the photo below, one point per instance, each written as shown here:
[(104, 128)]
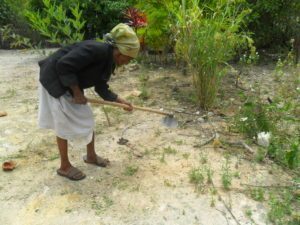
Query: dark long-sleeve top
[(86, 64)]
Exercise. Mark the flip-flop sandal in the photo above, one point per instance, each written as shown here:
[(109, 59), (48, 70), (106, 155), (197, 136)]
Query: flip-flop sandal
[(73, 174), (99, 161)]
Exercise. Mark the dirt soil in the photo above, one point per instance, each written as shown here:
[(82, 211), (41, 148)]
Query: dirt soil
[(148, 180)]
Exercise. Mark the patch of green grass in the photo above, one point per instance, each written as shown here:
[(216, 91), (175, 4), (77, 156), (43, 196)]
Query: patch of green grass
[(134, 100), (237, 174), (186, 155), (99, 129), (20, 155), (254, 117), (203, 158), (169, 150), (145, 93), (213, 191), (260, 155), (68, 211), (53, 157), (101, 205), (146, 152), (162, 158), (280, 208), (167, 183), (143, 78), (226, 175), (258, 194), (136, 188), (179, 142), (212, 202), (186, 95), (131, 170), (248, 213), (197, 178), (10, 93), (116, 112), (157, 132), (209, 174)]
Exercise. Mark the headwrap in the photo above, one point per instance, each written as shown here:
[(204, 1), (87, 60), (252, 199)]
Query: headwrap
[(124, 38)]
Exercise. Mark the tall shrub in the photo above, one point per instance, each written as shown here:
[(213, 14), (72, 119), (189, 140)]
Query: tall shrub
[(208, 35)]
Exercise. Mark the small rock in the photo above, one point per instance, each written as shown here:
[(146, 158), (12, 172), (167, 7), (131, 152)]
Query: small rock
[(210, 114), (263, 139), (200, 119), (133, 67), (136, 93)]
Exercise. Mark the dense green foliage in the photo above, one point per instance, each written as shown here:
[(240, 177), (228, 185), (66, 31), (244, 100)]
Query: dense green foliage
[(54, 23), (157, 34), (280, 117), (273, 22), (100, 15), (6, 14)]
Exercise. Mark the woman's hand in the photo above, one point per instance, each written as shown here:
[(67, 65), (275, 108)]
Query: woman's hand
[(79, 99), (78, 96), (123, 101)]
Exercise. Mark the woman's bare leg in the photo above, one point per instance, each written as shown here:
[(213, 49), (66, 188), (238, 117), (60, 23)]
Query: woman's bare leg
[(62, 144), (92, 157), (90, 150), (66, 169)]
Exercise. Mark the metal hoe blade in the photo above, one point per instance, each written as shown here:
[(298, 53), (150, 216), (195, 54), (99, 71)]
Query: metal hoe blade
[(170, 121)]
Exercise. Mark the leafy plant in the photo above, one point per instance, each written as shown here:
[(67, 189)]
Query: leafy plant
[(254, 117), (169, 150), (293, 155), (280, 208), (197, 177), (100, 15), (54, 23), (226, 175), (6, 13), (273, 22), (157, 34), (136, 18), (131, 170), (258, 194), (208, 35)]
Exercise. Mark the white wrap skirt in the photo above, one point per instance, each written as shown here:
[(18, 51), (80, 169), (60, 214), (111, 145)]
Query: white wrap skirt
[(72, 122)]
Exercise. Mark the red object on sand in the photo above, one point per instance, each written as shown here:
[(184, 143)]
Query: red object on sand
[(8, 166)]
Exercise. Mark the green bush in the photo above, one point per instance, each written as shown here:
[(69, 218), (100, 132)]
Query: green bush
[(14, 29), (6, 13), (254, 117), (273, 22)]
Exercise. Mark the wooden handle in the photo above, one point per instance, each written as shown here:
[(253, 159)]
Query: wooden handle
[(116, 104)]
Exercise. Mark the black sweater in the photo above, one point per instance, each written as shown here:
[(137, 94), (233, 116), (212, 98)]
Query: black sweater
[(86, 64)]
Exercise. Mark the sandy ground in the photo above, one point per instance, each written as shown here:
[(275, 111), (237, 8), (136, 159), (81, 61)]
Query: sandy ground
[(148, 180)]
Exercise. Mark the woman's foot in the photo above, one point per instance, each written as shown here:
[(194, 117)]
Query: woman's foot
[(96, 160), (71, 173)]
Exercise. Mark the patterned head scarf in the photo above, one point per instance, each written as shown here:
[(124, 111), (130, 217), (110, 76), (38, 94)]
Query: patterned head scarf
[(124, 38)]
